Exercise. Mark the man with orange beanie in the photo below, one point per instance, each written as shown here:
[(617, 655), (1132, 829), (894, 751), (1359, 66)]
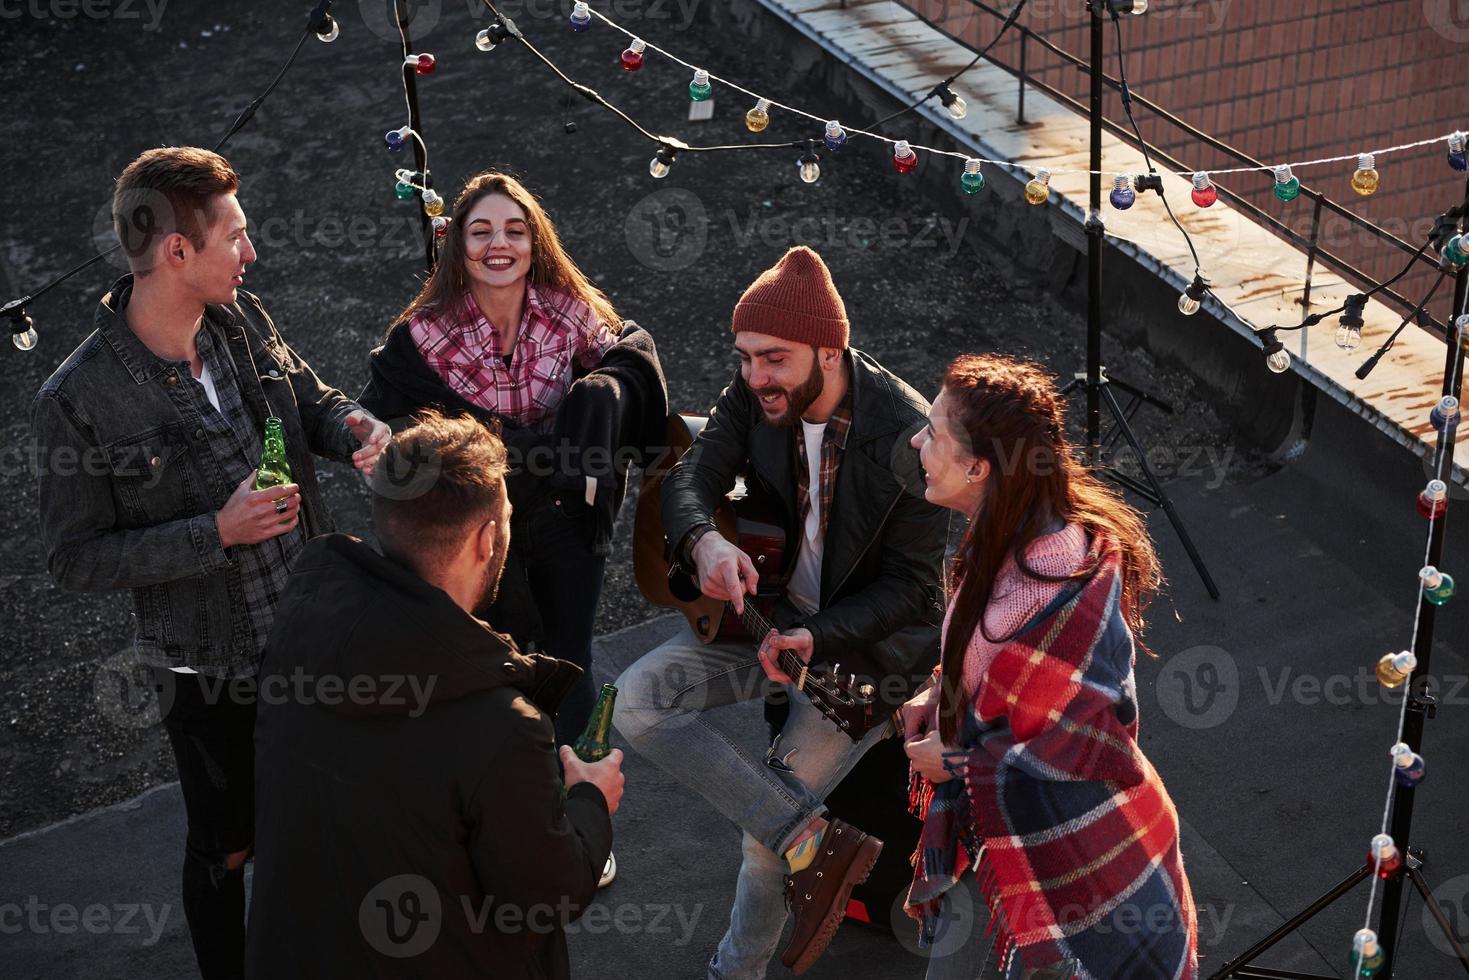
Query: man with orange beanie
[(819, 430)]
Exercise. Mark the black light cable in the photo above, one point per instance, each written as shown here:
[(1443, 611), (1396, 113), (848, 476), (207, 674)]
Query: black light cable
[(942, 91)]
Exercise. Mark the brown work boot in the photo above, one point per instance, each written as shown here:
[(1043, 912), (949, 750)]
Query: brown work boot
[(817, 896)]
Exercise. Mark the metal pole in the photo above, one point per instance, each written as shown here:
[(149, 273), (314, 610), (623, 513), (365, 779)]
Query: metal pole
[(1420, 703), (415, 122), (1094, 244)]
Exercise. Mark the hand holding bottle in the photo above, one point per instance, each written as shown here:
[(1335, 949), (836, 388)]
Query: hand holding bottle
[(606, 775), (251, 516)]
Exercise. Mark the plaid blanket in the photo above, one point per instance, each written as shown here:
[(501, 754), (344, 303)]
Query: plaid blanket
[(1067, 825)]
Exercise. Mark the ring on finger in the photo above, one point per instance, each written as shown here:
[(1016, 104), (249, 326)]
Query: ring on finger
[(280, 505)]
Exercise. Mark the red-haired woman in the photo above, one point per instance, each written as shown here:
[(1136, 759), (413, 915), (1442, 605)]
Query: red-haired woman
[(508, 329), (1036, 800)]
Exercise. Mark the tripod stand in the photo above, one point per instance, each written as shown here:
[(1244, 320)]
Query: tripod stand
[(1098, 386), (1420, 707)]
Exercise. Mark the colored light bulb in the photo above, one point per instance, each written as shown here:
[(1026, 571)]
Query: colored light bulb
[(1384, 855), (1192, 296), (403, 190), (836, 136), (661, 163), (1204, 192), (759, 117), (1457, 250), (1365, 180), (1122, 196), (1458, 158), (441, 226), (699, 88), (1393, 669), (955, 104), (809, 166), (1445, 414), (971, 180), (904, 159), (581, 16), (396, 139), (328, 30), (424, 64), (25, 339), (1366, 958), (1438, 587), (632, 57), (1287, 187), (1408, 766), (1433, 500), (1038, 188), (433, 204)]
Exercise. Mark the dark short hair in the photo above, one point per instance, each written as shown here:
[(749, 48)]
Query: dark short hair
[(438, 479), (165, 190)]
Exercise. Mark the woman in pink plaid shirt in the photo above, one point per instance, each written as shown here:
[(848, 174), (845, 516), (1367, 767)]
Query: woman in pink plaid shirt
[(502, 328)]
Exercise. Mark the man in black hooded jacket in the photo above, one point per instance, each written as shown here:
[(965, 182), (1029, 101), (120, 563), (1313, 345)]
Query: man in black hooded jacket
[(409, 819)]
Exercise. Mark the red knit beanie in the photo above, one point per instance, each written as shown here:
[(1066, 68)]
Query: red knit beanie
[(795, 300)]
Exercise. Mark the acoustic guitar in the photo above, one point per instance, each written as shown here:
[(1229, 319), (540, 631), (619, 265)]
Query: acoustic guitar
[(757, 532)]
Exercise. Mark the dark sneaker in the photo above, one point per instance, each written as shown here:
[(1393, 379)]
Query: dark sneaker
[(817, 896)]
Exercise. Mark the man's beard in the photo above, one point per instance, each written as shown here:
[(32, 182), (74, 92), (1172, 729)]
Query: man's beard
[(493, 571), (798, 399)]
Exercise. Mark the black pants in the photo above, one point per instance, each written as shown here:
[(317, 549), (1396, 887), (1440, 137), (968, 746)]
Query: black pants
[(211, 726), (549, 593)]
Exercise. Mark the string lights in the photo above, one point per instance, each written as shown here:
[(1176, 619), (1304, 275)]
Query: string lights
[(1394, 670)]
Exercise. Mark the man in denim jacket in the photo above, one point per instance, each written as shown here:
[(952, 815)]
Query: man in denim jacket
[(148, 436)]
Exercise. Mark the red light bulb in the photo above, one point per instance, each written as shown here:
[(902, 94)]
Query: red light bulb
[(904, 159), (1204, 192)]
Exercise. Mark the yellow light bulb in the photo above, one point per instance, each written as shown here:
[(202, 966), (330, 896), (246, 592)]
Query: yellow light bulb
[(758, 118), (1038, 189), (1365, 180)]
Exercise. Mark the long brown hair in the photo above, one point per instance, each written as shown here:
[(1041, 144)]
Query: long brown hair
[(550, 265), (1009, 413)]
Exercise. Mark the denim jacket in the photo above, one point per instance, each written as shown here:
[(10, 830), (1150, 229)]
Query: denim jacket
[(129, 489)]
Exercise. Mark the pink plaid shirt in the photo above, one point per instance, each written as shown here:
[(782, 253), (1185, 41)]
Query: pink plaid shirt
[(464, 349)]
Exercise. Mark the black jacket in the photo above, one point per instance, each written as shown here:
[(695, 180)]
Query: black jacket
[(881, 573), (393, 819), (611, 417)]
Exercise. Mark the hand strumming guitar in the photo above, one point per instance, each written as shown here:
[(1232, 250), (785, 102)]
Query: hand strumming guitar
[(725, 572)]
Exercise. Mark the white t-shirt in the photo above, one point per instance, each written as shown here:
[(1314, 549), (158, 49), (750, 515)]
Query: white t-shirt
[(804, 588), (207, 380)]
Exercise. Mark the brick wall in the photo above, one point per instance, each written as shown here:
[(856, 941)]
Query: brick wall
[(1282, 82)]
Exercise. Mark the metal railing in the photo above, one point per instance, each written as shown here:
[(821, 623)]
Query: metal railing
[(1310, 243)]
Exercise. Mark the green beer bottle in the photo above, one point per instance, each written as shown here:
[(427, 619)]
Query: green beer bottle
[(275, 469), (595, 742)]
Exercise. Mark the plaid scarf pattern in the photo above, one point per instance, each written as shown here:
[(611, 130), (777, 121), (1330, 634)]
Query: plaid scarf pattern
[(1066, 824)]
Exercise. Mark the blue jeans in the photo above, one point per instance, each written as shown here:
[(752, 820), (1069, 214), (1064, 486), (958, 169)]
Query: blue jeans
[(960, 945), (661, 701)]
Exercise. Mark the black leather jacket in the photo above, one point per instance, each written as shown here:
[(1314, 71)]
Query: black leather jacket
[(881, 573)]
